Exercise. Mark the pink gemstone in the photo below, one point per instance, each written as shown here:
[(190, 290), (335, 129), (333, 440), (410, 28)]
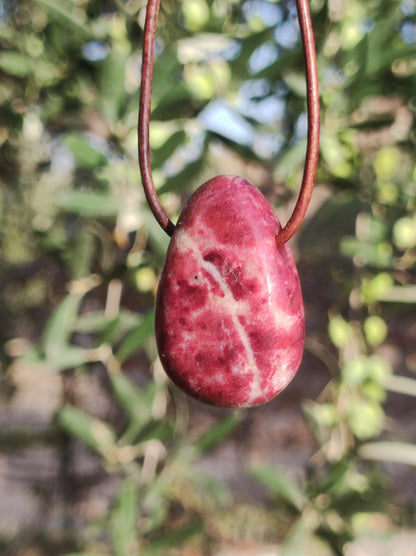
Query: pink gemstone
[(229, 310)]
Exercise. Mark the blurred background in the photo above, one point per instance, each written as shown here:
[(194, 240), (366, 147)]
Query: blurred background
[(99, 454)]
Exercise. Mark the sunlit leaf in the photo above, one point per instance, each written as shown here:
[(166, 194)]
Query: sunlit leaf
[(15, 63), (301, 540), (160, 155), (165, 65), (85, 155), (378, 57), (90, 203), (94, 433), (60, 326), (174, 100), (184, 177), (123, 519), (83, 254), (173, 538), (63, 13), (218, 432), (96, 321), (281, 486), (378, 255), (399, 452), (136, 337), (398, 294), (292, 157), (401, 385), (112, 84), (136, 402), (152, 430), (68, 358), (296, 82)]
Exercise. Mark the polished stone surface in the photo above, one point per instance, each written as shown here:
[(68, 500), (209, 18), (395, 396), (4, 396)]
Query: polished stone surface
[(229, 310)]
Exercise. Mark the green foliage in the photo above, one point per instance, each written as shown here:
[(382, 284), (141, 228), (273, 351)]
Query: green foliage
[(80, 250), (123, 519), (323, 506), (136, 337), (283, 487), (97, 435), (218, 432)]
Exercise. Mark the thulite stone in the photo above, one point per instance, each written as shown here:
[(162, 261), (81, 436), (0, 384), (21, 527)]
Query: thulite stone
[(229, 309)]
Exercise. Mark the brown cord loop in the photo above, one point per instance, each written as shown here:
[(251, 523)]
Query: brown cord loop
[(312, 93), (312, 149), (144, 117)]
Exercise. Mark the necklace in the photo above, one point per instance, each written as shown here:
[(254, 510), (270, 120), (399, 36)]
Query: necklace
[(229, 311)]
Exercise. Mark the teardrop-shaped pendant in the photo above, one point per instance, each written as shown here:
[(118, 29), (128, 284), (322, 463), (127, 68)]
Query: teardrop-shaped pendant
[(229, 310)]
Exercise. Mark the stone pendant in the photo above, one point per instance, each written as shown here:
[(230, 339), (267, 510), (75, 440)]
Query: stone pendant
[(229, 311)]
